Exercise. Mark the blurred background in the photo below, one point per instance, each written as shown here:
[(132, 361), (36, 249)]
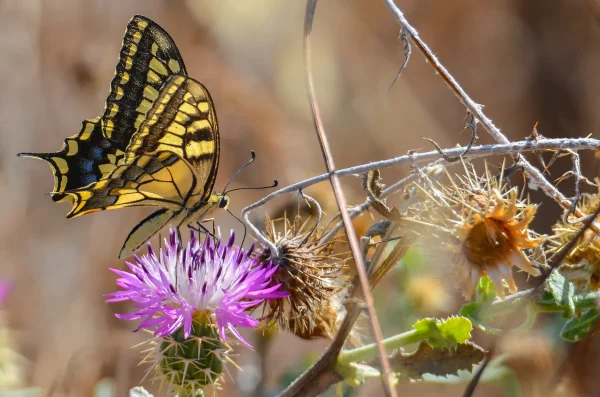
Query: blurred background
[(526, 61)]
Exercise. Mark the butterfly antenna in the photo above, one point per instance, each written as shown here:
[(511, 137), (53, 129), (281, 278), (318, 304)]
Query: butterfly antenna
[(243, 224), (274, 184), (242, 168)]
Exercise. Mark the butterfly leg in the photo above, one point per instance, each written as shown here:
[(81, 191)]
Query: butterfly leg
[(200, 228)]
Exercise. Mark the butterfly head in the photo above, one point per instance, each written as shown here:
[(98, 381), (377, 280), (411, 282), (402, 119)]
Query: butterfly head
[(223, 200), (219, 200)]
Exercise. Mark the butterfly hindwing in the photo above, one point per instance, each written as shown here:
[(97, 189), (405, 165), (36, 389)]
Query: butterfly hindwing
[(182, 121), (162, 180), (146, 229), (148, 57), (84, 158)]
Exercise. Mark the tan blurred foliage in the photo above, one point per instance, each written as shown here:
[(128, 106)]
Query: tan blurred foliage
[(527, 61)]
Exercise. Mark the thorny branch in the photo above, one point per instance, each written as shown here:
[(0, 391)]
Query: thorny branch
[(321, 375), (476, 110), (426, 157)]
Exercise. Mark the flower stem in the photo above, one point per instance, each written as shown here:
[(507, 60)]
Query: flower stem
[(370, 351)]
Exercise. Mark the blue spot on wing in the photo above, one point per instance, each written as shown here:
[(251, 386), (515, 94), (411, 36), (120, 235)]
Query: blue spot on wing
[(95, 153), (86, 179), (85, 165)]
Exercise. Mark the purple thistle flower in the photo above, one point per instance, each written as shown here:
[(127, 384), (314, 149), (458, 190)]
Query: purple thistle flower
[(170, 287)]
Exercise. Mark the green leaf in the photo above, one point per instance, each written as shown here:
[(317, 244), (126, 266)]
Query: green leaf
[(485, 291), (577, 328), (445, 333), (562, 291), (470, 310), (436, 361)]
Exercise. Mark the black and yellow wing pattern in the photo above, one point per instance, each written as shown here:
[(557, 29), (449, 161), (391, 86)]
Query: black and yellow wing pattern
[(148, 57), (171, 161), (156, 144)]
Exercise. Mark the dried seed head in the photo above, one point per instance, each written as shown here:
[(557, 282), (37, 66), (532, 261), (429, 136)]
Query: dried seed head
[(313, 274), (582, 264), (484, 226)]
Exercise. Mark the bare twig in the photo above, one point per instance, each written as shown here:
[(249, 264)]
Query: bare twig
[(476, 110), (407, 53), (473, 153), (341, 201), (575, 173)]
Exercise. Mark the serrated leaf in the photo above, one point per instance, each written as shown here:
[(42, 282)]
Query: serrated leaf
[(495, 371), (437, 361), (578, 328), (485, 291), (445, 333), (562, 291), (456, 329)]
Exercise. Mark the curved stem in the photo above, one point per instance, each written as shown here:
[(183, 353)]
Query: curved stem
[(394, 342), (431, 156)]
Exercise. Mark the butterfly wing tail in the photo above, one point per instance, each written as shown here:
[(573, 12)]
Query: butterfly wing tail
[(145, 230), (84, 158)]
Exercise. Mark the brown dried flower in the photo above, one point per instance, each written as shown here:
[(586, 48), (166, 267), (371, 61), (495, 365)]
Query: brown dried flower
[(313, 274), (484, 226), (582, 264)]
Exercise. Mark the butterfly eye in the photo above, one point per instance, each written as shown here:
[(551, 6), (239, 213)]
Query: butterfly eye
[(224, 202)]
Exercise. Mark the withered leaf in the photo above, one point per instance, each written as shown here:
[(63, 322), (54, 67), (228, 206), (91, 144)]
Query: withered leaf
[(374, 187), (436, 361)]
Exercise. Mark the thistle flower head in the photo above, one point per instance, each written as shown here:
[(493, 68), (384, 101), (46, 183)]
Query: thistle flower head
[(311, 273), (190, 365), (582, 265), (171, 287), (485, 227)]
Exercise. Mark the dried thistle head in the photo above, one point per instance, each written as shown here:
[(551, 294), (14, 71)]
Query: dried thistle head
[(483, 225), (582, 265), (313, 274)]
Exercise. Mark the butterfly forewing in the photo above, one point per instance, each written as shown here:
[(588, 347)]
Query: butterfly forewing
[(171, 161), (148, 57)]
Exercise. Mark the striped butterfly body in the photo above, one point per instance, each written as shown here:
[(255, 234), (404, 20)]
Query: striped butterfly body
[(156, 144)]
